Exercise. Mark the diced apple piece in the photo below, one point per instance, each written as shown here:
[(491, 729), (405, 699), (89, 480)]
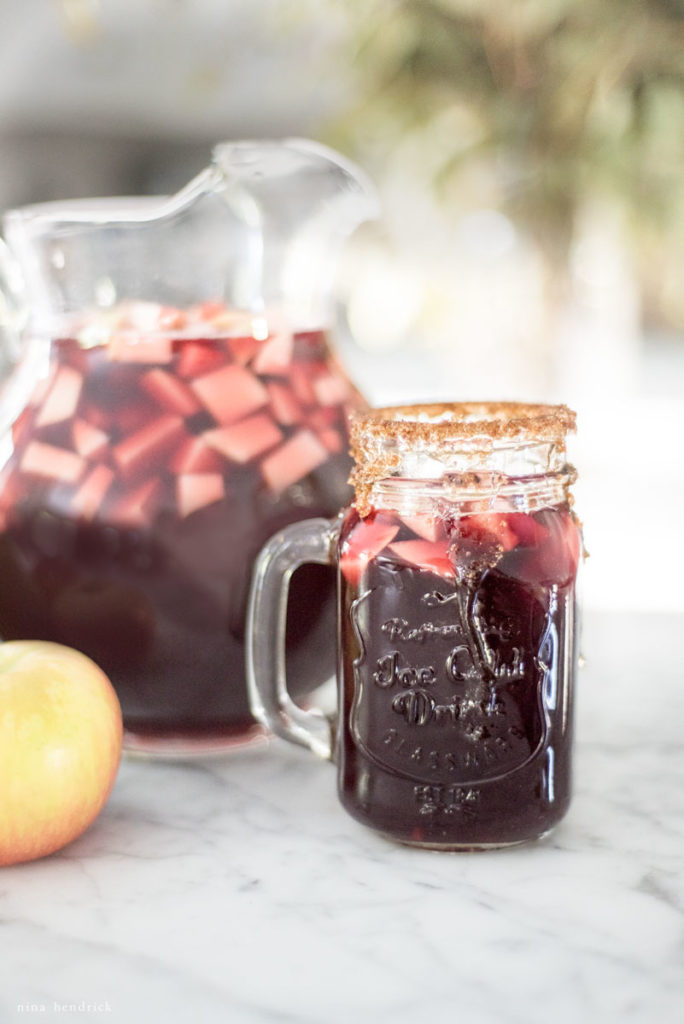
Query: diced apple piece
[(195, 490), (426, 525), (301, 384), (425, 554), (284, 405), (97, 416), (206, 311), (89, 441), (324, 417), (172, 319), (143, 448), (493, 523), (332, 439), (556, 557), (53, 463), (526, 528), (245, 440), (367, 539), (275, 355), (11, 490), (133, 508), (62, 397), (170, 392), (199, 357), (243, 349), (194, 455), (293, 460), (230, 393), (90, 495), (131, 347), (330, 390)]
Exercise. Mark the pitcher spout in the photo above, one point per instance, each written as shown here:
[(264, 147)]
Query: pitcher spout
[(259, 230), (299, 202)]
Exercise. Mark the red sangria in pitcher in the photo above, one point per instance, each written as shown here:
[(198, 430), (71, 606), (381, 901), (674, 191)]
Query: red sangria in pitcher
[(171, 401)]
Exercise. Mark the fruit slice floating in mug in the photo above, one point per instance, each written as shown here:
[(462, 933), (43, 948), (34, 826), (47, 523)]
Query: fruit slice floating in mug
[(367, 539), (540, 548)]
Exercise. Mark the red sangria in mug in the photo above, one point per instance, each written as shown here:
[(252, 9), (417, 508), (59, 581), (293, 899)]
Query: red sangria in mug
[(457, 625)]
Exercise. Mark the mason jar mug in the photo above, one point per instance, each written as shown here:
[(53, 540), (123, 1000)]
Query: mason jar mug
[(457, 625)]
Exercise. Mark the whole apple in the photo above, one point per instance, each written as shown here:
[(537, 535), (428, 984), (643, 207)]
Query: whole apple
[(60, 746)]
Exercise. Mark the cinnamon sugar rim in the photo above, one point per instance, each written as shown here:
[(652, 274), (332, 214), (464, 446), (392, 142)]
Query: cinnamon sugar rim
[(464, 421), (474, 434)]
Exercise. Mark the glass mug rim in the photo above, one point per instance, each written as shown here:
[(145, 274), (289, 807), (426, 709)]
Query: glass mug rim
[(477, 448)]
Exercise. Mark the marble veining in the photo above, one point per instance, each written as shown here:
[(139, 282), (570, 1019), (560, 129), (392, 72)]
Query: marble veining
[(238, 890)]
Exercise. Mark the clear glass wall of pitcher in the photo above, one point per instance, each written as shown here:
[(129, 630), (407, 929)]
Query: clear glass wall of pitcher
[(170, 401)]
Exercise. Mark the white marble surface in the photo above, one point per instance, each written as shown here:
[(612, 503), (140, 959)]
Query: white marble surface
[(238, 890)]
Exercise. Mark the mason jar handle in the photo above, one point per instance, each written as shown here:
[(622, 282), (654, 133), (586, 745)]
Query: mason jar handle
[(312, 540)]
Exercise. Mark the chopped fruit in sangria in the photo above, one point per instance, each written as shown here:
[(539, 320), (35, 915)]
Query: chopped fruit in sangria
[(89, 441), (196, 490), (424, 554), (331, 439), (171, 393), (243, 349), (230, 393), (62, 399), (537, 547), (88, 499), (554, 558), (197, 358), (133, 507), (162, 453), (141, 451), (330, 390), (246, 439), (274, 356), (195, 455), (488, 526), (367, 538), (286, 409), (44, 460), (428, 526), (528, 531), (293, 460), (457, 633), (132, 348)]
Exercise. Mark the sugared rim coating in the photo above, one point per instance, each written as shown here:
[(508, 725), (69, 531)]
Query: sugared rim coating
[(465, 420), (379, 436)]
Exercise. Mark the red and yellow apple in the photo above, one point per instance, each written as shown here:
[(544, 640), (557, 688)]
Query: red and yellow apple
[(60, 746)]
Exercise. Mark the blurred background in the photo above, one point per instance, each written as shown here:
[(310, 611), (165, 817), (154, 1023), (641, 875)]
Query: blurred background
[(529, 159)]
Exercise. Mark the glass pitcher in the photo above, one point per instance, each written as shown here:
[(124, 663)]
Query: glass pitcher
[(170, 401)]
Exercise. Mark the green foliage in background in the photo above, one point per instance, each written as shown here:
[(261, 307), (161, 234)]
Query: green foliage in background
[(566, 100)]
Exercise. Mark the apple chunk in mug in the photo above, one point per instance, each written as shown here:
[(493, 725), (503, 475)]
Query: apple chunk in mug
[(457, 566)]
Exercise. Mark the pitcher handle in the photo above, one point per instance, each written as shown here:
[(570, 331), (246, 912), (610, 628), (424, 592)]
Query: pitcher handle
[(19, 364), (312, 540), (13, 304)]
